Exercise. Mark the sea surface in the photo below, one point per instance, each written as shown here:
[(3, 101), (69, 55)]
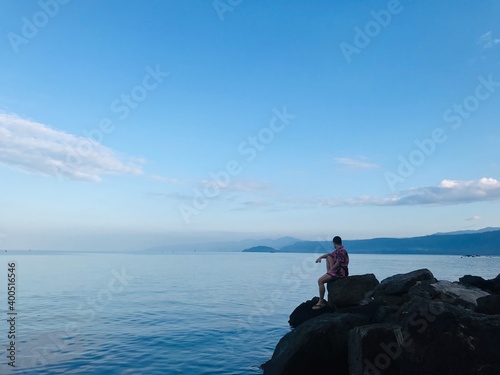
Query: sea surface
[(190, 313)]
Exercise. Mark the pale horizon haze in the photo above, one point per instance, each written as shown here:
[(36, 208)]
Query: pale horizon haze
[(129, 125)]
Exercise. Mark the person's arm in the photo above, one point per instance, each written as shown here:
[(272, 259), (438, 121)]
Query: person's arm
[(324, 256)]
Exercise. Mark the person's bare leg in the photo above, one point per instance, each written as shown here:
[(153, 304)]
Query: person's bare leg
[(329, 264), (321, 284), (322, 290)]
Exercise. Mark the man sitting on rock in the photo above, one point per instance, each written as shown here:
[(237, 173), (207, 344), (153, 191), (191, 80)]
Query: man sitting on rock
[(336, 268)]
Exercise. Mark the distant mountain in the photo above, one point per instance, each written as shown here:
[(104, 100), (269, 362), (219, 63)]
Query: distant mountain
[(476, 243), (308, 247), (484, 241), (260, 249), (487, 229), (281, 242)]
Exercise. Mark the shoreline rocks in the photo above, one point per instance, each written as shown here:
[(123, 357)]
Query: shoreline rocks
[(408, 324)]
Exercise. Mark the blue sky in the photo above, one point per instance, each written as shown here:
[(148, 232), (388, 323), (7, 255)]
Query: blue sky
[(135, 124)]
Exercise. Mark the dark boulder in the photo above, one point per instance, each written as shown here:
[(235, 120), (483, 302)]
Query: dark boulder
[(369, 311), (489, 304), (457, 294), (401, 283), (436, 327), (351, 290), (443, 291), (491, 286), (374, 349), (423, 289), (305, 311), (440, 338), (318, 346), (494, 286), (475, 281), (386, 313)]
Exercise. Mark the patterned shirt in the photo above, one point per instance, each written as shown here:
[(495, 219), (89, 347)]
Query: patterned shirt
[(342, 257)]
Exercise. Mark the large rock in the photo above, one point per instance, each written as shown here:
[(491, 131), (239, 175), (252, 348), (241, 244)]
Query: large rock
[(489, 304), (458, 294), (494, 286), (491, 286), (401, 283), (440, 338), (305, 312), (424, 289), (445, 328), (374, 349), (386, 313), (475, 281), (318, 346), (351, 290)]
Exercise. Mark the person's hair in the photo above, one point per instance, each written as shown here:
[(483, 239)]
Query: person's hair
[(337, 240)]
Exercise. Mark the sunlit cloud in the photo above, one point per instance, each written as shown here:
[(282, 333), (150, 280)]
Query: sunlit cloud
[(473, 218), (448, 192), (36, 148), (445, 193), (487, 40), (355, 163)]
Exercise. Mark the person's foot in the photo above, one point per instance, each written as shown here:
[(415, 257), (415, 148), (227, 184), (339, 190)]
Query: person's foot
[(321, 303)]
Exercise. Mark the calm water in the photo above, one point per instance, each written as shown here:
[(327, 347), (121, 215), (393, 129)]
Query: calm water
[(200, 313)]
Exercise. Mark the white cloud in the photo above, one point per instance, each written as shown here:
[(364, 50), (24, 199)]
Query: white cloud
[(487, 40), (446, 192), (473, 218), (39, 149), (355, 164)]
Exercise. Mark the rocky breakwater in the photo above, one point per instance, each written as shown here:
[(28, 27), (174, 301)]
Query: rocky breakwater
[(408, 324)]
